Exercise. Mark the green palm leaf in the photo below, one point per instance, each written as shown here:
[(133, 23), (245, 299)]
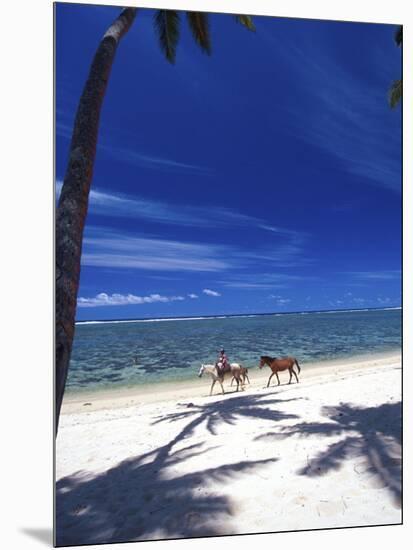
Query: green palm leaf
[(395, 93), (199, 25), (166, 24), (246, 21)]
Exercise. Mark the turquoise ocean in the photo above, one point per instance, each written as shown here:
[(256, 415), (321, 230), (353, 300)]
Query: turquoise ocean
[(119, 354)]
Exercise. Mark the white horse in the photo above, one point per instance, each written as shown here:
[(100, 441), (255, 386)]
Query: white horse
[(235, 371)]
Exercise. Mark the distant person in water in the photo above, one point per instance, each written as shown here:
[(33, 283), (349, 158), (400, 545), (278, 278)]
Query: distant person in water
[(222, 362)]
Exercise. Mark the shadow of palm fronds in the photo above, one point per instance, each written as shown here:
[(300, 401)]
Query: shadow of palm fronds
[(147, 497), (139, 499), (370, 434), (229, 412)]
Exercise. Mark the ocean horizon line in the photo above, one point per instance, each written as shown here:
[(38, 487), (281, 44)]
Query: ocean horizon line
[(229, 315)]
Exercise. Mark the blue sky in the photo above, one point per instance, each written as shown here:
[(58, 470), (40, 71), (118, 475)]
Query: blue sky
[(265, 177)]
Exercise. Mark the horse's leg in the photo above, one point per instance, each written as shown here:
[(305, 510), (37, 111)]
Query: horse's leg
[(222, 387), (232, 381), (269, 379), (291, 375), (212, 386), (276, 374), (246, 376), (295, 374)]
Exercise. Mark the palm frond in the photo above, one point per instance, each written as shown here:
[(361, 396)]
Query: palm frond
[(199, 25), (398, 35), (395, 93), (166, 24), (246, 21)]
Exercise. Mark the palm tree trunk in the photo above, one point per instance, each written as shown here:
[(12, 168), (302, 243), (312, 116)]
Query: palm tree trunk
[(73, 203)]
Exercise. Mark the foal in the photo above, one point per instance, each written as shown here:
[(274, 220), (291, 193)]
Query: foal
[(277, 365), (244, 375)]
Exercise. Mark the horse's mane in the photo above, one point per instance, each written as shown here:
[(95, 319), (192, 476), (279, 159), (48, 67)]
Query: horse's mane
[(268, 357)]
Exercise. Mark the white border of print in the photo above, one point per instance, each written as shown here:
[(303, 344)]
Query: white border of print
[(27, 271)]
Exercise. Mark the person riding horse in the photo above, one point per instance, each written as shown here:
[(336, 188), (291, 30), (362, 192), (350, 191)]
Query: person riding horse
[(222, 363)]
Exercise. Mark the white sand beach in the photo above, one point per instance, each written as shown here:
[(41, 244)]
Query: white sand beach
[(169, 461)]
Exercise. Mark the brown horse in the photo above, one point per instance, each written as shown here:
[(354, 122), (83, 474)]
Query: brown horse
[(277, 365)]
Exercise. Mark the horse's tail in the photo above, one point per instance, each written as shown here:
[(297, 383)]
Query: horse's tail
[(298, 366)]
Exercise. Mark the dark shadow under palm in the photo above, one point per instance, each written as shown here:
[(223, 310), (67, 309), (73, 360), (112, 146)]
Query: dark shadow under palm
[(158, 502)]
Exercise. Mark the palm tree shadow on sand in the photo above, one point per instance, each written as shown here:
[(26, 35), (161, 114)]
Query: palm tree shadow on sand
[(372, 435), (229, 411), (140, 499)]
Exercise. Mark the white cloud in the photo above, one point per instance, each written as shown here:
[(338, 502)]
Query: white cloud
[(104, 299), (153, 162), (378, 275), (113, 204), (257, 281), (250, 286), (103, 247), (279, 300), (193, 296), (210, 292), (110, 249), (334, 303), (351, 112)]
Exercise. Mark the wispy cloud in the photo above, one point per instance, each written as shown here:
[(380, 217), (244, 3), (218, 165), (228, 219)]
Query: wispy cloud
[(110, 249), (137, 158), (385, 275), (210, 292), (384, 301), (114, 204), (63, 129), (347, 113), (263, 281), (282, 255), (245, 285), (193, 296), (334, 303), (121, 205), (289, 250), (279, 300), (104, 299), (157, 162), (296, 235), (103, 247)]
